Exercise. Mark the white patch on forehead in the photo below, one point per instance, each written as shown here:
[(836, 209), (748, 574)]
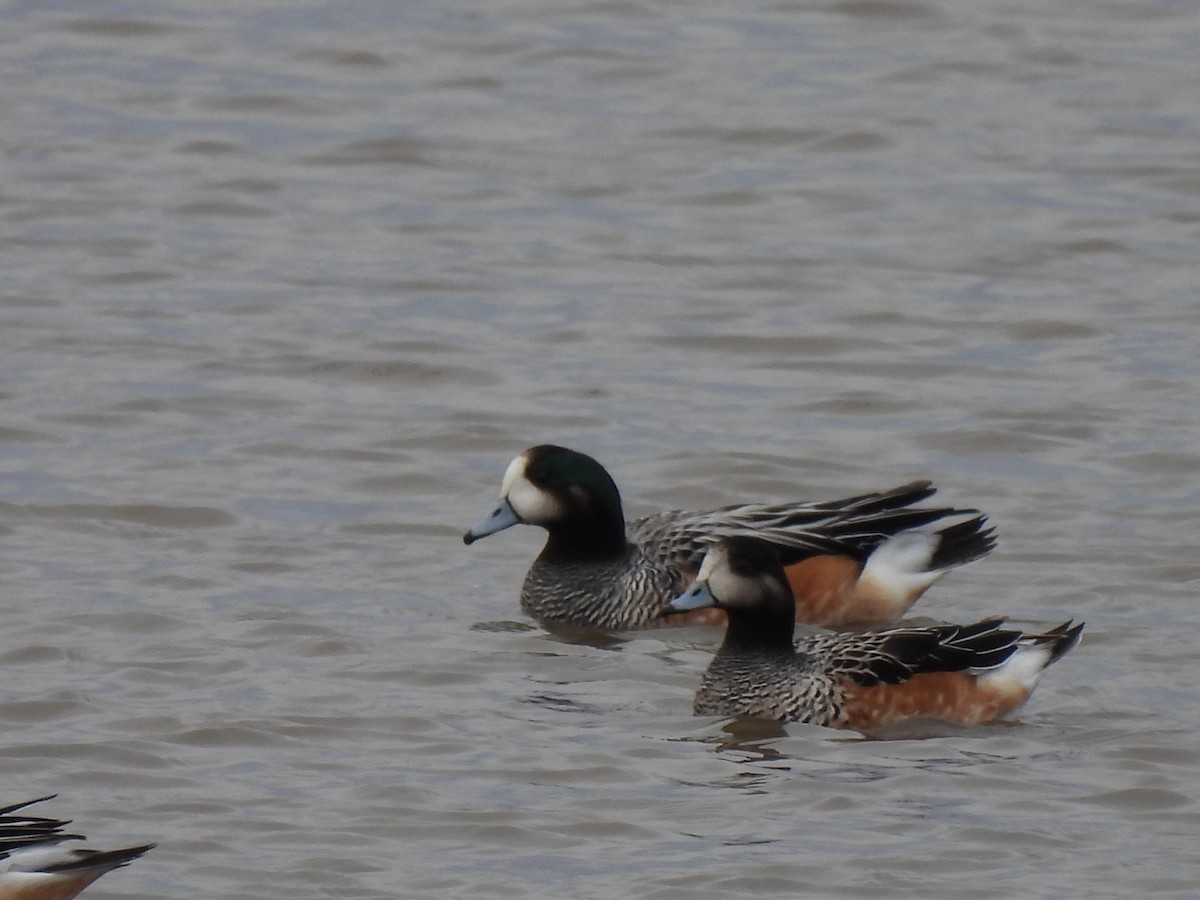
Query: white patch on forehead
[(515, 470)]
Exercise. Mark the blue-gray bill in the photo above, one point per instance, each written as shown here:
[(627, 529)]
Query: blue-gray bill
[(697, 596), (500, 518)]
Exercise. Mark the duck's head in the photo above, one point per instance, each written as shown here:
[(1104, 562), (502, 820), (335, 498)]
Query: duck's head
[(744, 577), (566, 492)]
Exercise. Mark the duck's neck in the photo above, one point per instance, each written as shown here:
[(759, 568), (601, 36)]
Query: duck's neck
[(599, 537), (761, 631)]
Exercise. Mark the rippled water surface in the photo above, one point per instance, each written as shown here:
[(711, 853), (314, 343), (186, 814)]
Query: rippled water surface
[(286, 285)]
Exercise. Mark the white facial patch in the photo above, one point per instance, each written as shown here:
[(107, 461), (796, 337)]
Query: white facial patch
[(732, 590), (714, 558), (728, 589), (531, 504)]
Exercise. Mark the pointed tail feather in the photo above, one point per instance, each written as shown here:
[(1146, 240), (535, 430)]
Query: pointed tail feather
[(1024, 669), (881, 501), (99, 859), (17, 831), (1061, 639), (962, 543), (30, 845), (12, 809)]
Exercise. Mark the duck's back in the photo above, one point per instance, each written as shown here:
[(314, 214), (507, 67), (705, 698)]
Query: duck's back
[(679, 538)]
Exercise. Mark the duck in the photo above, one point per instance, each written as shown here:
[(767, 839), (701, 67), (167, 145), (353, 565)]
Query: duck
[(34, 867), (859, 561), (961, 674)]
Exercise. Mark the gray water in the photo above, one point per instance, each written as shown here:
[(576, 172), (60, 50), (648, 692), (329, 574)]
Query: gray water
[(286, 285)]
